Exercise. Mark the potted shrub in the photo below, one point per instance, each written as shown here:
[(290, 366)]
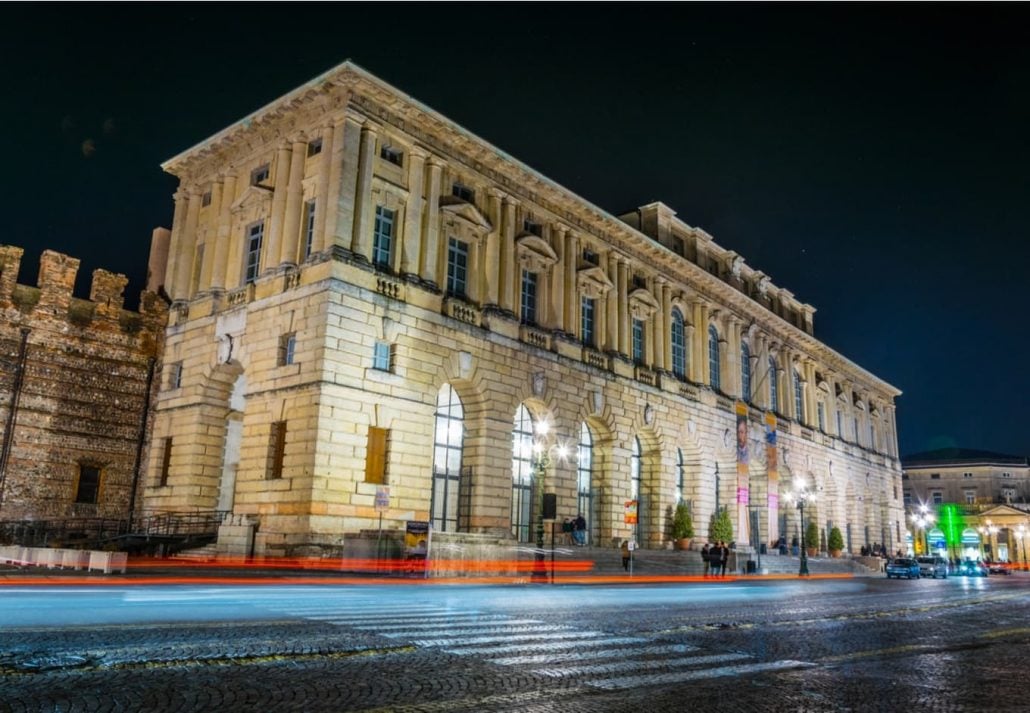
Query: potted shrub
[(682, 527), (812, 539), (835, 542), (720, 529)]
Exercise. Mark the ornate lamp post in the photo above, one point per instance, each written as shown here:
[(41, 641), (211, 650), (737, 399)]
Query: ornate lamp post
[(801, 496), (543, 452), (922, 520)]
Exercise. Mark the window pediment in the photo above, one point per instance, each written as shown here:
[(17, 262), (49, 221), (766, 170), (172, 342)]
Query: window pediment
[(534, 254), (593, 283), (253, 196), (454, 209), (642, 303)]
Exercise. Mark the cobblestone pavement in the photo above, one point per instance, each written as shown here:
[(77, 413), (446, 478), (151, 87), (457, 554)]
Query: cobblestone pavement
[(855, 645)]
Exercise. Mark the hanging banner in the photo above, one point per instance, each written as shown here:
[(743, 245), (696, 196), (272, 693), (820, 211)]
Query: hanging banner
[(743, 475), (631, 512), (773, 471)]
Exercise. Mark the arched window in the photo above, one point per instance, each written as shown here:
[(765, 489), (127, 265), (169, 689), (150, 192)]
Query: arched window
[(774, 391), (679, 345), (521, 473), (799, 411), (745, 371), (713, 356), (447, 444), (679, 475), (584, 477)]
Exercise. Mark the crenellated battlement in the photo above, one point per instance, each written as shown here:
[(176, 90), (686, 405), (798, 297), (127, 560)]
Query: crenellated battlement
[(53, 296)]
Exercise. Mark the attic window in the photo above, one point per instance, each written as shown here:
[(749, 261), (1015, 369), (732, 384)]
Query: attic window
[(531, 227), (314, 147), (463, 192), (259, 175), (591, 257), (677, 246), (392, 155), (639, 282), (205, 200)]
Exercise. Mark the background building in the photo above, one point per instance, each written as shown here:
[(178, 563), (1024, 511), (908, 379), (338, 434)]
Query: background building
[(74, 395), (366, 295), (986, 494)]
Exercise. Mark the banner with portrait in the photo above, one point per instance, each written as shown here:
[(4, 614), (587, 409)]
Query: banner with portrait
[(743, 474), (772, 469)]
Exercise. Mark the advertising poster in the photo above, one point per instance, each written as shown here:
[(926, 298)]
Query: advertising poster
[(743, 476), (417, 534), (631, 512), (773, 470)]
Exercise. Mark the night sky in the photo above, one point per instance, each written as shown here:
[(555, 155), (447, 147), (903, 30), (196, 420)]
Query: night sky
[(872, 159)]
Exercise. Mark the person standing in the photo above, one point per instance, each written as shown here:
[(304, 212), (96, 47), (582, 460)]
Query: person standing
[(705, 558), (724, 557), (579, 532), (625, 555), (714, 555)]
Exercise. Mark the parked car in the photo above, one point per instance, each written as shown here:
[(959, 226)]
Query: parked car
[(969, 568), (932, 566), (998, 568), (903, 567)]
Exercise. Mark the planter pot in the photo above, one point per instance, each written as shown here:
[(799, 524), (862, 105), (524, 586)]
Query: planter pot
[(835, 553), (683, 543), (812, 551)]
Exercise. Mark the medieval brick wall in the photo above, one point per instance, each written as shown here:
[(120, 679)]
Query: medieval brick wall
[(79, 410)]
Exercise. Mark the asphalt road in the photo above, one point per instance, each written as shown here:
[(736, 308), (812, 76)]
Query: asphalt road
[(832, 645)]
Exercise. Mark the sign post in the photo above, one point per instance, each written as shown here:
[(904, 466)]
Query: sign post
[(382, 504), (631, 519)]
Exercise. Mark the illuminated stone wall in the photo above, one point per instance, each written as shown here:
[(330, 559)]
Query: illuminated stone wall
[(351, 146), (83, 392)]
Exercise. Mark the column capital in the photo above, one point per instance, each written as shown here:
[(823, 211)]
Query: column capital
[(298, 140), (228, 173), (496, 193), (436, 162), (511, 202), (419, 153)]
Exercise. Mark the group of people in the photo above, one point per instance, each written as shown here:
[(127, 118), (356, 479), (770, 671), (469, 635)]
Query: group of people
[(715, 558), (874, 550), (576, 529)]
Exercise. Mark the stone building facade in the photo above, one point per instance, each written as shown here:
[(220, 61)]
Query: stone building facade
[(74, 396), (366, 295)]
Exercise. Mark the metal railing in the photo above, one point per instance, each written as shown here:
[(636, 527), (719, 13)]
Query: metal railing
[(170, 529)]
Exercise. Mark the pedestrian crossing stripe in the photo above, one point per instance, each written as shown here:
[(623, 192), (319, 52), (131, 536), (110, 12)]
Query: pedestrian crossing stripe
[(578, 656), (686, 676), (507, 637), (475, 622), (548, 646), (638, 665)]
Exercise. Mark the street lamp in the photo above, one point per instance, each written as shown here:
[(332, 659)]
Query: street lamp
[(801, 495), (543, 453), (922, 521)]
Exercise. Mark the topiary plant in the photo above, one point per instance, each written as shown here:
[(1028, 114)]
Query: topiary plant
[(812, 536), (720, 529), (682, 524), (835, 540)]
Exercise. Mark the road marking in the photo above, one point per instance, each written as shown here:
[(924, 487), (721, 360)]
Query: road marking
[(1005, 632), (685, 676), (549, 646), (577, 656), (372, 618), (486, 621), (622, 666), (548, 633)]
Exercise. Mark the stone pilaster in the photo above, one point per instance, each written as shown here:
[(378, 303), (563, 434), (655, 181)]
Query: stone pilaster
[(491, 267), (666, 302), (211, 239), (509, 268), (658, 326), (223, 238), (623, 301), (363, 208), (274, 239), (322, 188), (611, 305), (181, 198), (560, 281), (431, 241), (410, 252), (291, 245), (187, 249)]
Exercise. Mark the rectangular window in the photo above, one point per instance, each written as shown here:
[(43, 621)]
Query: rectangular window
[(935, 476), (382, 356), (639, 282), (252, 266), (309, 227), (392, 155), (375, 458), (259, 175), (587, 320), (970, 496), (457, 267), (840, 425), (528, 297), (677, 246), (872, 436), (382, 241), (463, 192), (907, 498), (314, 147), (287, 348), (276, 450), (532, 227), (88, 488), (638, 341), (175, 376), (938, 497), (591, 257), (967, 475), (166, 463), (205, 200), (855, 421), (821, 410)]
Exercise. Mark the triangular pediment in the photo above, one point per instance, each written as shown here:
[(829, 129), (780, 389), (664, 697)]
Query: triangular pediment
[(534, 254), (1006, 511), (642, 303), (254, 195), (465, 211), (593, 282)]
